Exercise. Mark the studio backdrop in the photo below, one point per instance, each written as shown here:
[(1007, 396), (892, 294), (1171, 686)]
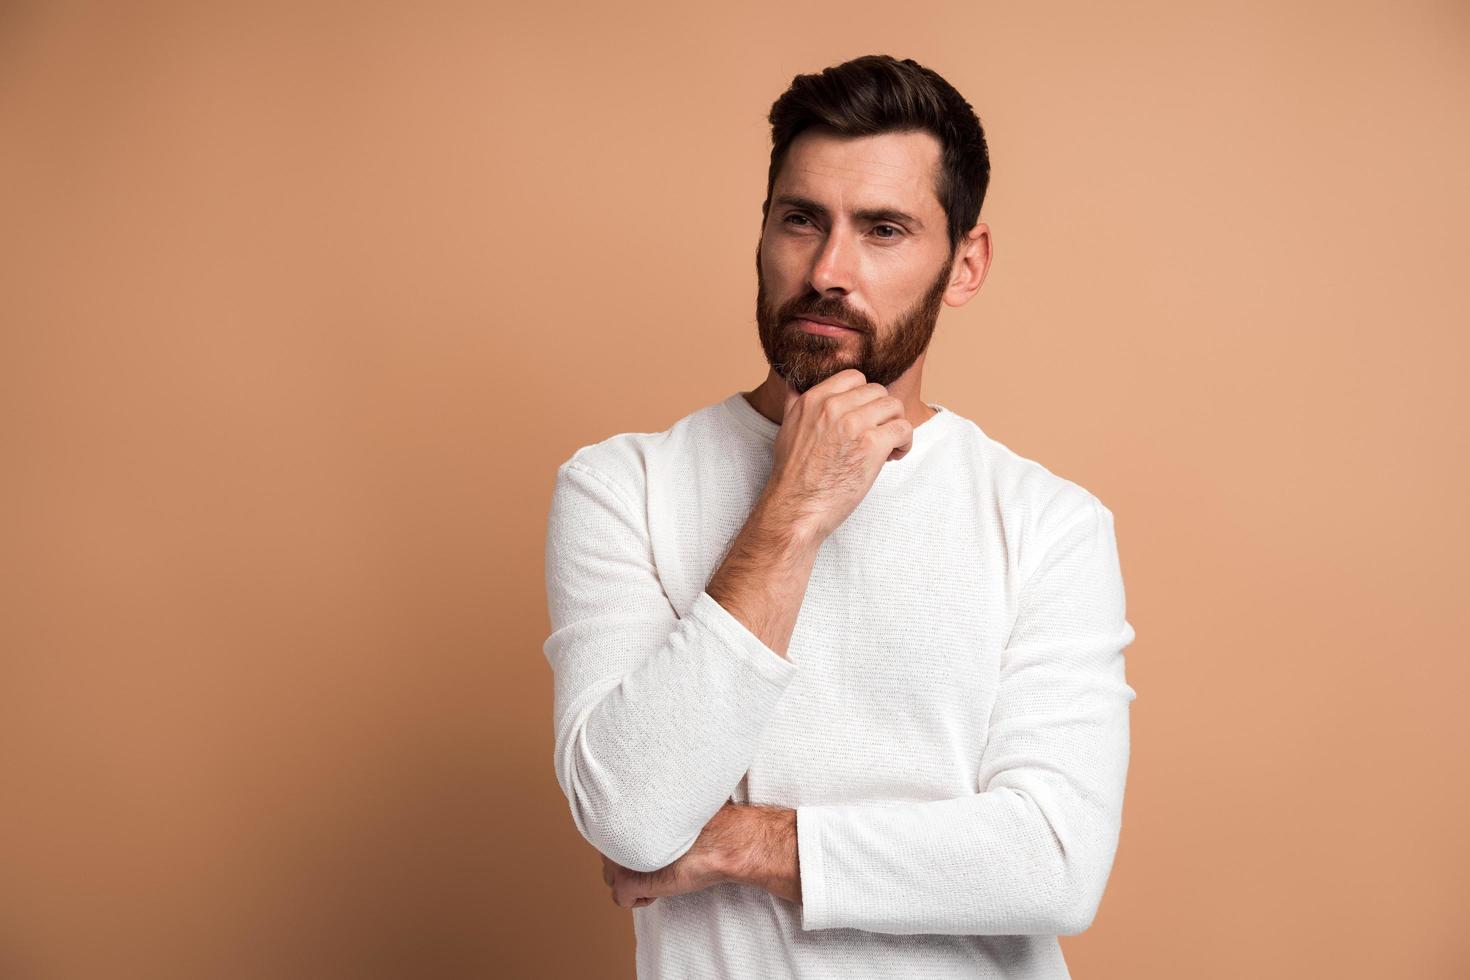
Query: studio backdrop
[(302, 304)]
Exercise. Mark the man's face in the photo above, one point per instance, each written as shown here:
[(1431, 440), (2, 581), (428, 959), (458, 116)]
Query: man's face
[(856, 234)]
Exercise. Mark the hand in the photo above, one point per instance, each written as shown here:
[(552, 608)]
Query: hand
[(833, 441), (625, 883), (699, 868)]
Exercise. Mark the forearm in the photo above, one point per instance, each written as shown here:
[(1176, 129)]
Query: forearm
[(757, 847), (1029, 854), (986, 864), (646, 762), (658, 713), (765, 572)]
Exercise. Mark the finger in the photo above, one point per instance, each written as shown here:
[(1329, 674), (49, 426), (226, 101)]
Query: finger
[(626, 897), (856, 398), (628, 887), (898, 434), (875, 411), (791, 397), (842, 381)]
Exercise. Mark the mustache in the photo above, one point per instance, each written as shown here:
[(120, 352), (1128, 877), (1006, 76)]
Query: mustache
[(827, 310)]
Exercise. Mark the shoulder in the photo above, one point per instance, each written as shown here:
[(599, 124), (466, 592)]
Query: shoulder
[(1021, 482), (622, 462), (1036, 504)]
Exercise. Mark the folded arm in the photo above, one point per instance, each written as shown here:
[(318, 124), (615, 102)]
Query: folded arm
[(657, 717), (1030, 852)]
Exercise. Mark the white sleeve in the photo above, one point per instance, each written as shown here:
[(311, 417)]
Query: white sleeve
[(656, 718), (1031, 851)]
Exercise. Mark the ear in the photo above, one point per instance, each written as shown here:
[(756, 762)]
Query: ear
[(971, 262)]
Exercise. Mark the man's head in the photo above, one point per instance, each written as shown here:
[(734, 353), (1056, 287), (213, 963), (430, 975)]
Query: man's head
[(878, 170)]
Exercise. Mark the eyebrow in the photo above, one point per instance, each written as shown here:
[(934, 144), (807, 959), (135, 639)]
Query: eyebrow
[(863, 214)]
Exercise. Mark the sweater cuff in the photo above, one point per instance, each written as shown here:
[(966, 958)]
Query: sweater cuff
[(815, 912), (737, 637)]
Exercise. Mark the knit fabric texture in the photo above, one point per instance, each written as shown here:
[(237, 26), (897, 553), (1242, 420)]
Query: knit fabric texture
[(950, 722)]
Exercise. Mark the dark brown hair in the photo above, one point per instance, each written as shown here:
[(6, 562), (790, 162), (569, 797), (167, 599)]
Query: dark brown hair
[(880, 94)]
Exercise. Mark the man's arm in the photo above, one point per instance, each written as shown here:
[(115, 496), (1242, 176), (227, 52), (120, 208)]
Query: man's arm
[(1031, 852), (657, 717), (764, 575), (758, 848)]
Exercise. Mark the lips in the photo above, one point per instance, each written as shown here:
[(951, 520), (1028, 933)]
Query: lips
[(822, 327), (829, 321), (828, 326)]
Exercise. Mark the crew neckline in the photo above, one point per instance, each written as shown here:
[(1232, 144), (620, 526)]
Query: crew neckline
[(925, 433)]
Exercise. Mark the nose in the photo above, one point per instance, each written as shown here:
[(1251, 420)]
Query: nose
[(832, 269)]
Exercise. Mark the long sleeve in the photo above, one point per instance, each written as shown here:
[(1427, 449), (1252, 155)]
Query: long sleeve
[(1030, 852), (656, 717)]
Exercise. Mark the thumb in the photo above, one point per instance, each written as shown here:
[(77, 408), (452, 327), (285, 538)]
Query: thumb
[(791, 397)]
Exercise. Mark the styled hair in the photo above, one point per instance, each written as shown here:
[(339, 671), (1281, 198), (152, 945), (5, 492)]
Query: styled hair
[(875, 94)]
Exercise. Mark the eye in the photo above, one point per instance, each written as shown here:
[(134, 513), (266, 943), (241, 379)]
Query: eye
[(789, 217), (897, 232)]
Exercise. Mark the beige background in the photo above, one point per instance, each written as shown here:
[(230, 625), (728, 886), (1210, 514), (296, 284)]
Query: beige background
[(303, 304)]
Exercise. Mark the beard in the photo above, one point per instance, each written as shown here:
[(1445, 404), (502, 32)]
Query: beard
[(805, 360)]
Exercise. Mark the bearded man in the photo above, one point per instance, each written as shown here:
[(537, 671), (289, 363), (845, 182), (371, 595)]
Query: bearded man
[(839, 678)]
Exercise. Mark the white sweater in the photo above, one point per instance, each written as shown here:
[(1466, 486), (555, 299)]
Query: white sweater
[(950, 723)]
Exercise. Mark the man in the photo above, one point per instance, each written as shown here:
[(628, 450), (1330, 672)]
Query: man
[(839, 678)]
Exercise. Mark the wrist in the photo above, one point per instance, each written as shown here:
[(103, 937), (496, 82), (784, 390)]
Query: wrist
[(759, 849), (794, 534), (730, 839)]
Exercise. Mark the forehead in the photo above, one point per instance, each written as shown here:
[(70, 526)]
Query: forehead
[(899, 169)]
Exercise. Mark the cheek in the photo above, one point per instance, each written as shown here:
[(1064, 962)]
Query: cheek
[(895, 290), (893, 279), (780, 268)]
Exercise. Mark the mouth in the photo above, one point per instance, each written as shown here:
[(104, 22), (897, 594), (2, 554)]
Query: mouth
[(823, 326)]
